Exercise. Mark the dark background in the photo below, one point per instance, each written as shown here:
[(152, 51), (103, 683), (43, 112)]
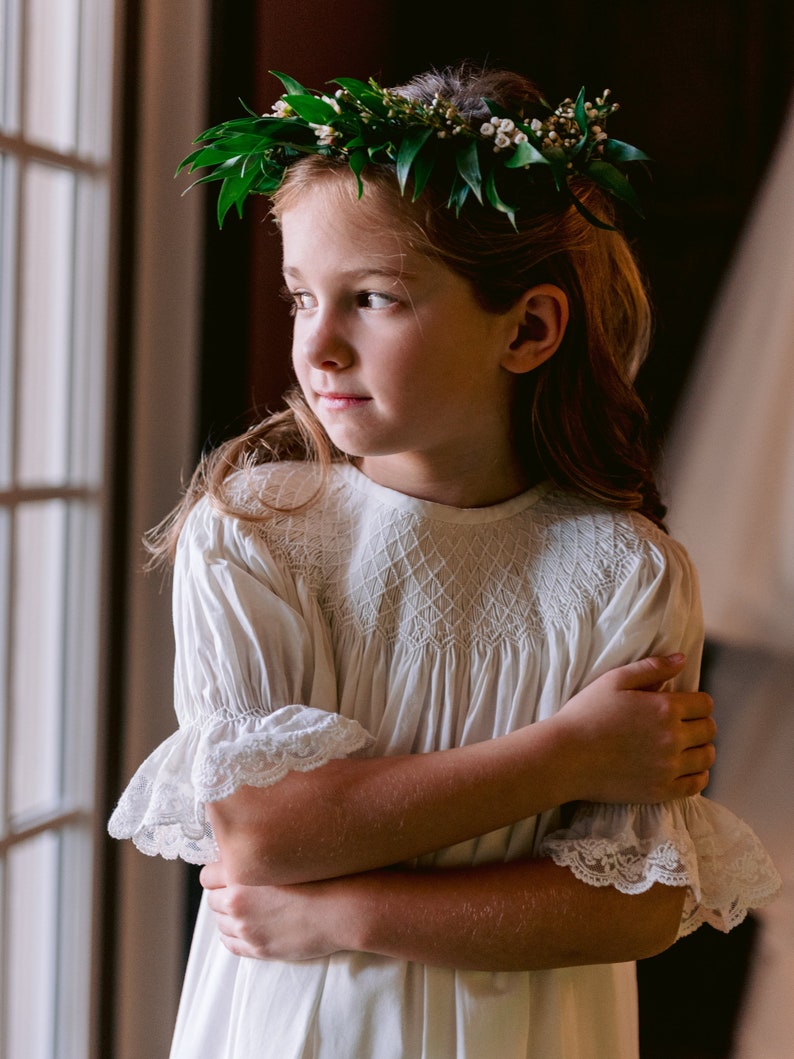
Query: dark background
[(704, 86)]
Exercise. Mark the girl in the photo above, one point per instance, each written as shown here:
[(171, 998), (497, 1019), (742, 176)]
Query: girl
[(431, 605)]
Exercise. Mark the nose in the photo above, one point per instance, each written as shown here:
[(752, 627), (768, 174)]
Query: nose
[(320, 342)]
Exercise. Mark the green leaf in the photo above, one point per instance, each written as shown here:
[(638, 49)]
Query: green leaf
[(291, 86), (311, 109), (496, 109), (364, 94), (458, 193), (613, 181), (423, 166), (358, 162), (357, 89), (494, 199), (579, 111), (525, 154), (227, 197), (414, 140), (617, 151), (591, 217), (250, 110), (467, 161)]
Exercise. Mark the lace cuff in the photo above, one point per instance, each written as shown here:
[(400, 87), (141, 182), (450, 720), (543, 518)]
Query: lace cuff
[(691, 842), (162, 809)]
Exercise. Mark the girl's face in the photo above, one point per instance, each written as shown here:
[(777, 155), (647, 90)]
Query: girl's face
[(399, 362)]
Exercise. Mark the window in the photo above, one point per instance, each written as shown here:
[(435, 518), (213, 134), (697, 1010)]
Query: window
[(56, 75)]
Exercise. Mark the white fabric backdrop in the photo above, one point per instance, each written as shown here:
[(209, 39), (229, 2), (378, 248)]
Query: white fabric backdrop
[(728, 476)]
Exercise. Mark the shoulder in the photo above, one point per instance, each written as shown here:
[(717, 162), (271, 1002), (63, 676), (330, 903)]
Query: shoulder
[(253, 496), (273, 487), (611, 543)]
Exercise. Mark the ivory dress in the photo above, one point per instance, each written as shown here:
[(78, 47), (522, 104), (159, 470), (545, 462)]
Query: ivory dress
[(373, 622)]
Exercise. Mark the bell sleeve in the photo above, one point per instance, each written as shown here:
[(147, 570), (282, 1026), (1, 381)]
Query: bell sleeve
[(690, 842), (254, 689)]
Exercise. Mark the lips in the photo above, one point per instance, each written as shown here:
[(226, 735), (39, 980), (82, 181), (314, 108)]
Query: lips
[(341, 400)]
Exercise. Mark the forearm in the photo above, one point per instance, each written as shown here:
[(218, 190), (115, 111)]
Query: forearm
[(526, 916), (611, 742), (353, 815)]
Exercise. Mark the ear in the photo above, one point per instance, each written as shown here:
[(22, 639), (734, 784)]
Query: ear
[(541, 317)]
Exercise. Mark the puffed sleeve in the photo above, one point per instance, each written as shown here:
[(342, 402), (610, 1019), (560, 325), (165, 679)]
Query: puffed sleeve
[(254, 689), (692, 842)]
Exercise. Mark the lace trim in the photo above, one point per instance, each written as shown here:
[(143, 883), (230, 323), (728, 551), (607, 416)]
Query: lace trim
[(162, 809), (694, 843)]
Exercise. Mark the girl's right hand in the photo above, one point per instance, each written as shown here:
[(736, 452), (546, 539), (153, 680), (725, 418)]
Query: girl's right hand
[(636, 742)]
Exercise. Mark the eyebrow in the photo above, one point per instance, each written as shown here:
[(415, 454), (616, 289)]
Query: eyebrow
[(360, 273)]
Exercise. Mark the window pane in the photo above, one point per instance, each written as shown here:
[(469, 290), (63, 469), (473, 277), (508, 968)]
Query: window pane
[(9, 65), (47, 260), (81, 637), (32, 894), (8, 175), (75, 923), (94, 118), (37, 655), (51, 73), (86, 440)]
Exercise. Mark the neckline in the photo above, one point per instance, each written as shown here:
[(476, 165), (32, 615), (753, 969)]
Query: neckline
[(441, 512)]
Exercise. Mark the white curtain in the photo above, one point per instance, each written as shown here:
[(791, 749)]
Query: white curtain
[(728, 477)]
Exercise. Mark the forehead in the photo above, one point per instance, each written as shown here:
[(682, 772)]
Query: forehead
[(328, 220)]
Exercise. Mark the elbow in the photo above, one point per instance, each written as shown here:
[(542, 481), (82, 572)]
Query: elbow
[(266, 836), (251, 863), (256, 849), (658, 923)]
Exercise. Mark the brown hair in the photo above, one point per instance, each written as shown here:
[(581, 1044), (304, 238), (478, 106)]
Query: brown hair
[(577, 419)]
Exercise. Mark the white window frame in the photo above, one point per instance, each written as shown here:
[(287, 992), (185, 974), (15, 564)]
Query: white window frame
[(147, 900), (173, 47)]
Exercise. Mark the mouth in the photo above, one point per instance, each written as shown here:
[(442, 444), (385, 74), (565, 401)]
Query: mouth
[(341, 401)]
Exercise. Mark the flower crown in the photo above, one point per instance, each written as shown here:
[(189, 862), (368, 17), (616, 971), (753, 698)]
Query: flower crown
[(365, 123)]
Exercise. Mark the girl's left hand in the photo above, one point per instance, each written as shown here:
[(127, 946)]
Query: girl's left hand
[(271, 922)]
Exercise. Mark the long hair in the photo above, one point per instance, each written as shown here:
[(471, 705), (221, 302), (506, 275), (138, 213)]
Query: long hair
[(577, 419)]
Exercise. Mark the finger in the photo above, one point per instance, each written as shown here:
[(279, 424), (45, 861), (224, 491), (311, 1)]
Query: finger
[(212, 876), (216, 901), (698, 759), (648, 673), (690, 785), (697, 705), (699, 732)]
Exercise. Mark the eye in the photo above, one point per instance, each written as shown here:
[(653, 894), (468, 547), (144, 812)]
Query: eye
[(297, 299), (374, 299)]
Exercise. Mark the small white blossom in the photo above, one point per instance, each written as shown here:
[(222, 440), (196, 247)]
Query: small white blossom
[(488, 129), (502, 140), (325, 134)]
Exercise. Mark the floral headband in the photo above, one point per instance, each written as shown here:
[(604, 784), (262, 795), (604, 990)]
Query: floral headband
[(365, 123)]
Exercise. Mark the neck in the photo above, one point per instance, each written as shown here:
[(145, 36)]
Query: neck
[(461, 486)]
